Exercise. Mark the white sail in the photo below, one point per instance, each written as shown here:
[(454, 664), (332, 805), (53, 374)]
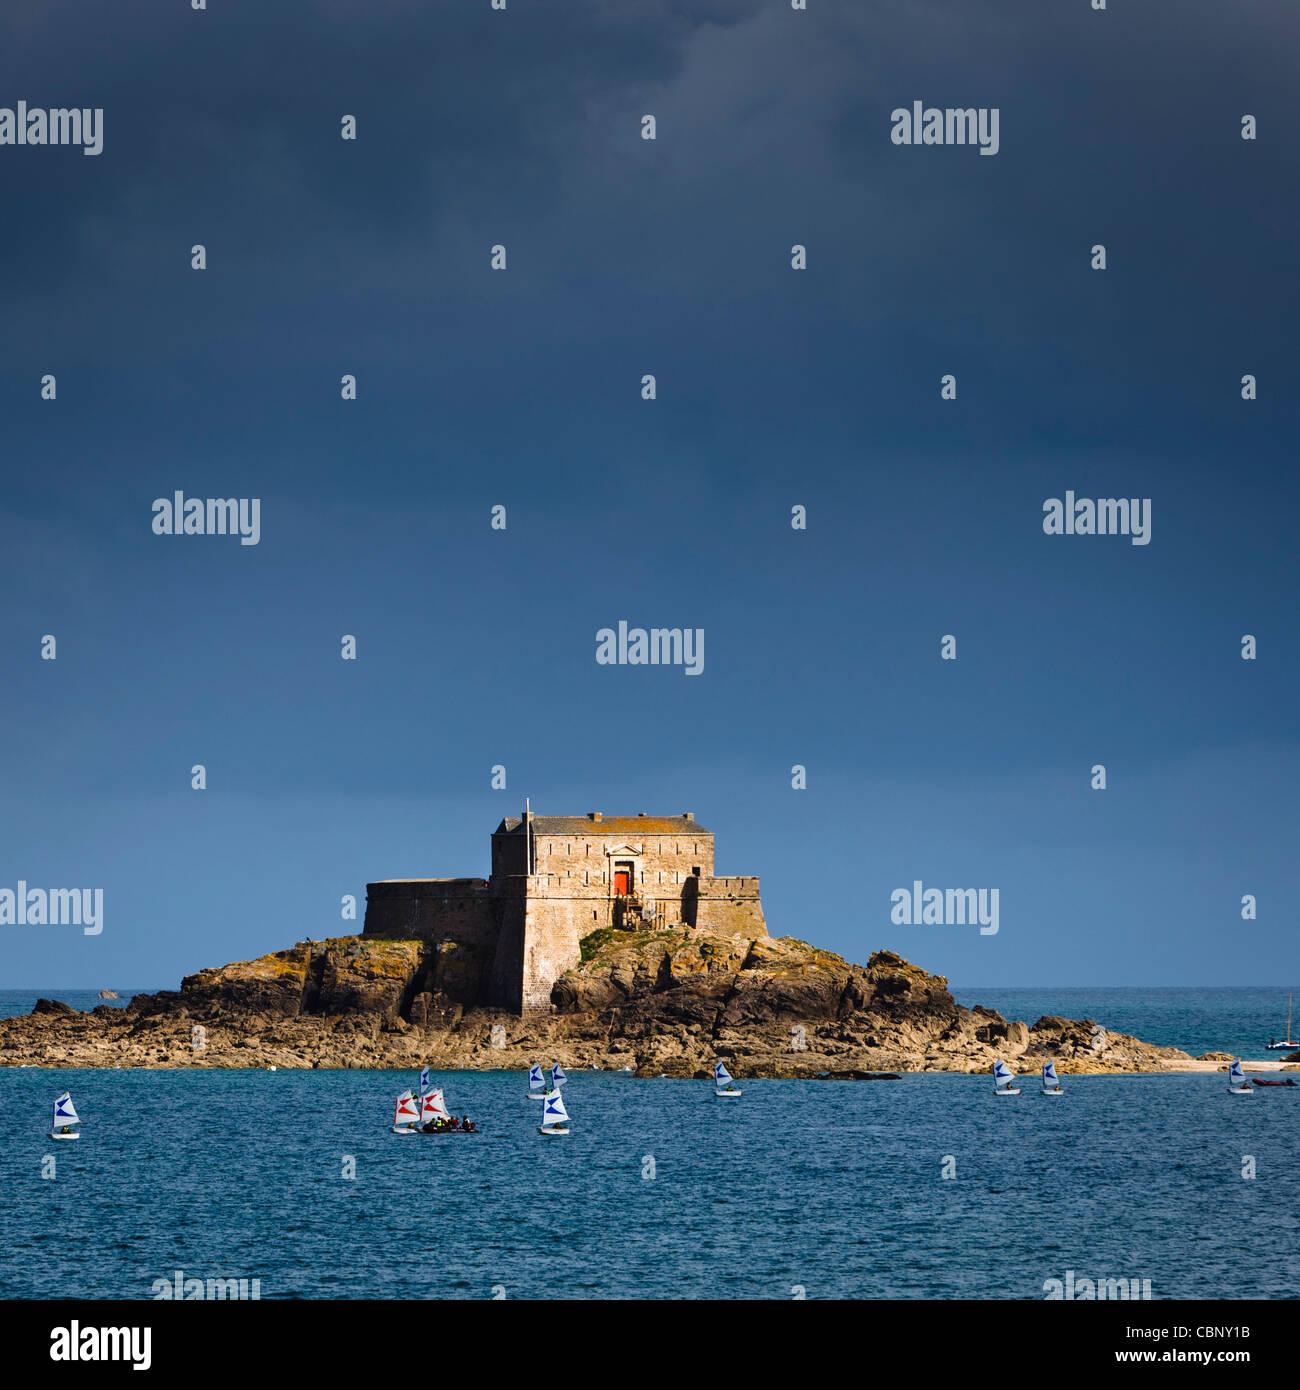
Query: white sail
[(1050, 1077), (721, 1076), (424, 1080), (1236, 1077), (405, 1113), (554, 1113), (64, 1112), (535, 1078), (433, 1107), (558, 1078), (1002, 1074)]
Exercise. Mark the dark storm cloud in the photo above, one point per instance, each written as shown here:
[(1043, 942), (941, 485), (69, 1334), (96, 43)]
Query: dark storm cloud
[(477, 126)]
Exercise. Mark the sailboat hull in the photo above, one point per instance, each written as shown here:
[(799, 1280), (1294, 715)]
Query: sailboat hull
[(1241, 1090), (551, 1129), (1005, 1091), (402, 1129), (1054, 1091), (1282, 1047), (64, 1136), (728, 1095)]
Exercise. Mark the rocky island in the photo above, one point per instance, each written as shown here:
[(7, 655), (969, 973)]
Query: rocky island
[(659, 1001)]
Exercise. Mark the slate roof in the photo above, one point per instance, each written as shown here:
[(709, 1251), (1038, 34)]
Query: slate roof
[(608, 825)]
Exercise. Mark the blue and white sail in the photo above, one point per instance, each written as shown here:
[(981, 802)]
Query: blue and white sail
[(554, 1115), (424, 1079), (1051, 1082), (1003, 1076), (558, 1078), (1237, 1079), (64, 1112), (724, 1086), (536, 1082)]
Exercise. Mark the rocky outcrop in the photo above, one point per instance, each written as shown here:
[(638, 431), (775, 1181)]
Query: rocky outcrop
[(666, 1002)]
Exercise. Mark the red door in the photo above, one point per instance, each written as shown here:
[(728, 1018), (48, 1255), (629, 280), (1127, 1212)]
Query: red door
[(621, 882)]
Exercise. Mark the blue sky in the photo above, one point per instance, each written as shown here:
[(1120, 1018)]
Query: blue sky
[(775, 388)]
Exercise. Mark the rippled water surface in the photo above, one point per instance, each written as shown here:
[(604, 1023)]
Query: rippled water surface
[(834, 1187)]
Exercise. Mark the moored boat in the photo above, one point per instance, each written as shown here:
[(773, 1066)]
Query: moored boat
[(1286, 1045)]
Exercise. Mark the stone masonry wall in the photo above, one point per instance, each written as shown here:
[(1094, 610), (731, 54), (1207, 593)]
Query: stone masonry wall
[(732, 905)]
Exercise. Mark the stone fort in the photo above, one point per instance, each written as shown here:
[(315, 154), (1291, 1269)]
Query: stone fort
[(503, 941)]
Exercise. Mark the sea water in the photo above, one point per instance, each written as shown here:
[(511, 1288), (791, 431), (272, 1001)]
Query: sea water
[(926, 1187)]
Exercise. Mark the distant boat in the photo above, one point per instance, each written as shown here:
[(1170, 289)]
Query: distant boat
[(405, 1114), (724, 1085), (1051, 1082), (1287, 1045), (1259, 1081), (1003, 1076), (1237, 1085), (626, 1068), (558, 1078), (64, 1116), (554, 1115), (538, 1087)]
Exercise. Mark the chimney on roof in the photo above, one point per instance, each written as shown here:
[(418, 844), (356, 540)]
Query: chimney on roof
[(688, 815), (593, 815)]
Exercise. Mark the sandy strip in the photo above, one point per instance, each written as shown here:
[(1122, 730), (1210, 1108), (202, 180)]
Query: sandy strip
[(1272, 1064)]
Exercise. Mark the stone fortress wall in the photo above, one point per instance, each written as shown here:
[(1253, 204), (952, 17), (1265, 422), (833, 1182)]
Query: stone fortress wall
[(506, 939)]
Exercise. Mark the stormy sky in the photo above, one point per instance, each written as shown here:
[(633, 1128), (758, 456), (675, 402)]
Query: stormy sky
[(776, 388)]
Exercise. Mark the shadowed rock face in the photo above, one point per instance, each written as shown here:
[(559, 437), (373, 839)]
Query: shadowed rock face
[(663, 1002)]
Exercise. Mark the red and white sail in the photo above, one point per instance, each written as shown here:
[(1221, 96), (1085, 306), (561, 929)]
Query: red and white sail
[(405, 1112), (433, 1107)]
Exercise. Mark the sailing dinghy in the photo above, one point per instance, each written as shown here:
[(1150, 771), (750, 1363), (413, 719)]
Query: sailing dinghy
[(64, 1117), (405, 1114), (554, 1115), (433, 1107), (538, 1089), (558, 1077), (724, 1085), (1237, 1084), (1003, 1076), (1286, 1045), (1051, 1082)]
